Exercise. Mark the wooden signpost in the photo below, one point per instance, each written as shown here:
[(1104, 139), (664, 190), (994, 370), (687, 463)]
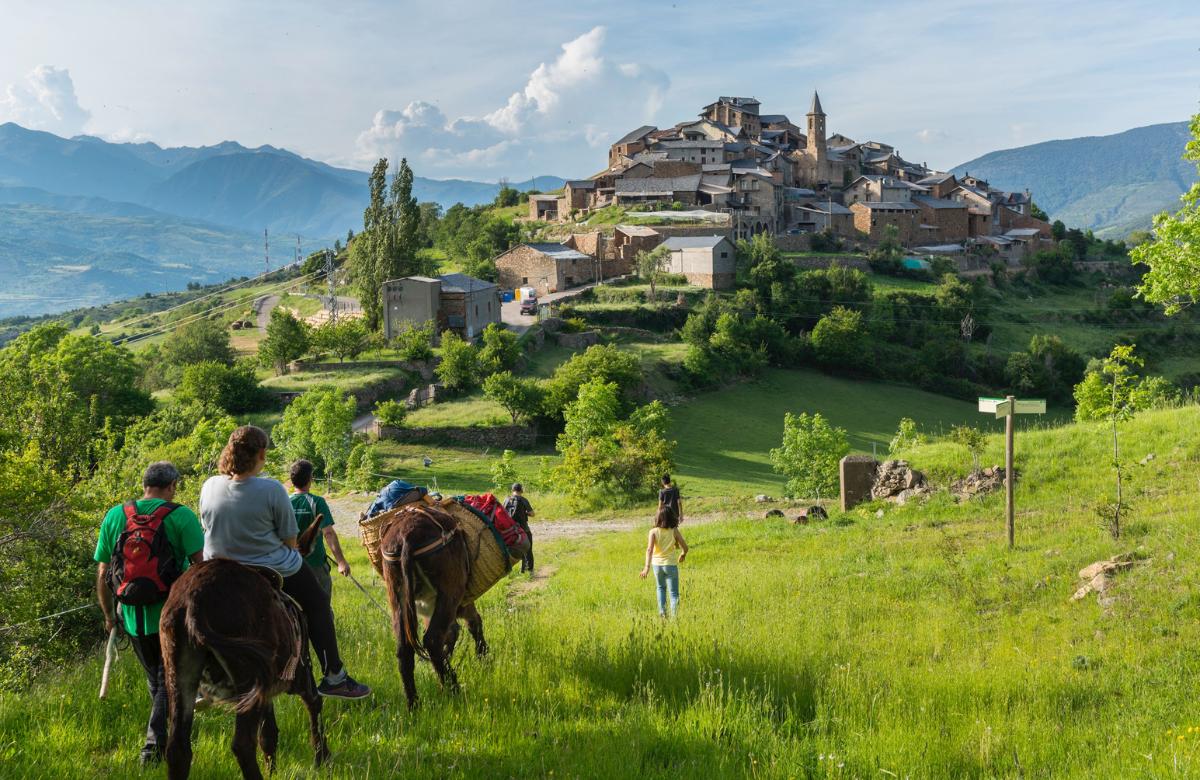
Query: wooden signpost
[(1009, 408)]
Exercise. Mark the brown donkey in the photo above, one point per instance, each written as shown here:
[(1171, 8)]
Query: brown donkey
[(426, 566), (228, 631)]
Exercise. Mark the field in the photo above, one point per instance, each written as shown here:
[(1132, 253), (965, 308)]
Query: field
[(908, 645)]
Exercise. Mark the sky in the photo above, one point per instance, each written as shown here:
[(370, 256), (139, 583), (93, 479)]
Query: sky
[(489, 90)]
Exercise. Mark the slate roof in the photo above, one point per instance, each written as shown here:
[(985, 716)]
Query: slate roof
[(582, 184), (637, 230), (555, 251), (463, 283), (1023, 232), (658, 185), (816, 104), (693, 242), (936, 178), (705, 144), (938, 203), (901, 205), (826, 208), (635, 135), (774, 119)]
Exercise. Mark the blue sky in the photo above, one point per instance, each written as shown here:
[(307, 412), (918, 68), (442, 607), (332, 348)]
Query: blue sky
[(481, 90)]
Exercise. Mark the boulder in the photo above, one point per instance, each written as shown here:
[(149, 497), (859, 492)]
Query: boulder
[(979, 483), (1098, 577), (896, 481), (814, 512), (773, 513), (762, 498)]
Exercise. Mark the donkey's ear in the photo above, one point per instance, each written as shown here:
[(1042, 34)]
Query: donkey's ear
[(308, 538)]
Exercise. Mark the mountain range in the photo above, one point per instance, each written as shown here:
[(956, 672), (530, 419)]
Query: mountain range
[(1112, 184), (107, 220)]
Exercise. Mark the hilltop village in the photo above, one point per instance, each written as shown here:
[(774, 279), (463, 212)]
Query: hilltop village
[(735, 172)]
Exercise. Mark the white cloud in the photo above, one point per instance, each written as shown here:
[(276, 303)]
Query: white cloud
[(45, 100), (930, 136), (567, 109)]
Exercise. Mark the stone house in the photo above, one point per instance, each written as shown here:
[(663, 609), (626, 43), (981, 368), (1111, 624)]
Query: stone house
[(578, 195), (741, 112), (627, 241), (545, 267), (655, 189), (700, 152), (629, 144), (940, 185), (883, 188), (456, 302), (706, 261), (543, 208), (942, 220), (816, 216), (874, 216)]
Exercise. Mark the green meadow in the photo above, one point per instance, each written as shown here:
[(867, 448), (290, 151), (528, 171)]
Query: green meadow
[(911, 644)]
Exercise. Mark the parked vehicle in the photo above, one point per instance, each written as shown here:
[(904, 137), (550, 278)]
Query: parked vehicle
[(529, 305)]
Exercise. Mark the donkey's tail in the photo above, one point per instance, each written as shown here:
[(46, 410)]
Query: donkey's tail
[(404, 609), (244, 658)]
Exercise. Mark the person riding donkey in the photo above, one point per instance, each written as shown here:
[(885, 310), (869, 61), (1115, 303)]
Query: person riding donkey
[(142, 548)]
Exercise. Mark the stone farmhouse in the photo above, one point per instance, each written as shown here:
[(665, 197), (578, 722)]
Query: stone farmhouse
[(456, 302), (768, 174), (706, 261)]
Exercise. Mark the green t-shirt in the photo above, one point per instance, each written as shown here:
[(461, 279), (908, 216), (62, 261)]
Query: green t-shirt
[(186, 538), (304, 518)]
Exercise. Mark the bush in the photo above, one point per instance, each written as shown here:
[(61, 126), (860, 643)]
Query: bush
[(504, 472), (841, 340), (500, 350), (316, 426), (232, 389), (906, 436), (521, 398), (601, 362), (391, 413)]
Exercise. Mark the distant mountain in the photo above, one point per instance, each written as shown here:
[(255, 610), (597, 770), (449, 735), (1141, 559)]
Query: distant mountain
[(84, 220), (1112, 184)]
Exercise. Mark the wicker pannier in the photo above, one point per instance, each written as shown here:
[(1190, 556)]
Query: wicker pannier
[(489, 561), (370, 529)]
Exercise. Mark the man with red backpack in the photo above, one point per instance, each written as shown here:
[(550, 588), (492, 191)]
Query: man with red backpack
[(142, 549)]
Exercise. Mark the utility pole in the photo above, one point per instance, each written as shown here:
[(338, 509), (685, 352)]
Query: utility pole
[(266, 251), (297, 250), (329, 282)]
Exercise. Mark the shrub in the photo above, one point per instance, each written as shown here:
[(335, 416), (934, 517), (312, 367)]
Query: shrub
[(232, 389), (521, 398), (906, 436), (504, 472), (414, 342), (459, 368), (500, 350), (391, 413), (972, 439), (316, 426), (840, 339), (601, 362)]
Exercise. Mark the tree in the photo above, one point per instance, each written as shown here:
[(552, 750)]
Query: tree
[(650, 265), (221, 388), (885, 257), (459, 368), (196, 342), (607, 461), (504, 471), (405, 225), (1058, 230), (287, 340), (369, 251), (346, 338), (500, 350), (1173, 257), (906, 436), (840, 339), (809, 455), (317, 426), (521, 398), (971, 439), (1036, 212), (604, 362), (414, 342), (507, 196)]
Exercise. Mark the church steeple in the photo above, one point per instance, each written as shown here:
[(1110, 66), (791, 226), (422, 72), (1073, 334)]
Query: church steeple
[(816, 130)]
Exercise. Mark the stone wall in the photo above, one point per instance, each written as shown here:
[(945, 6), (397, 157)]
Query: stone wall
[(424, 368), (498, 437), (577, 341), (800, 243), (824, 261), (365, 398)]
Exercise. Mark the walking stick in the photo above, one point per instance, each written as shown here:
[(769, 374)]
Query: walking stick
[(358, 585), (110, 652)]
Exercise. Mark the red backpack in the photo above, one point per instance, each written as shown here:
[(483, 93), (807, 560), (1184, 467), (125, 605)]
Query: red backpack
[(487, 504), (143, 564)]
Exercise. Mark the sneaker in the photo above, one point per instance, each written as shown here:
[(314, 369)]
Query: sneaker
[(348, 688), (150, 756)]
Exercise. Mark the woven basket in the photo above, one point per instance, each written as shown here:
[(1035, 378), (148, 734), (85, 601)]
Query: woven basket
[(370, 529), (489, 562)]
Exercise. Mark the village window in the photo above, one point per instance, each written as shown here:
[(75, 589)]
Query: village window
[(524, 280)]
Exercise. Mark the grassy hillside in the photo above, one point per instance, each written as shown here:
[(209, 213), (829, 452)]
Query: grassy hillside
[(1112, 184), (912, 645)]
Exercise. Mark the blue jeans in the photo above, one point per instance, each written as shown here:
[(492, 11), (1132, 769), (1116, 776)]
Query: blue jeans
[(667, 579)]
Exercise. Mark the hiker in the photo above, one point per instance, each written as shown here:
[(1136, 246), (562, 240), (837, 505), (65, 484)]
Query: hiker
[(668, 497), (309, 508), (142, 548), (665, 550), (520, 510), (250, 519)]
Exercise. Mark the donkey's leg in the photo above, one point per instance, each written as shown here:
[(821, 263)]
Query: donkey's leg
[(452, 639), (444, 615), (183, 666), (268, 737), (406, 654), (475, 626), (245, 730), (306, 689)]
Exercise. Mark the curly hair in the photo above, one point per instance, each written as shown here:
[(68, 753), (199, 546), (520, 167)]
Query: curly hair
[(241, 452), (301, 474)]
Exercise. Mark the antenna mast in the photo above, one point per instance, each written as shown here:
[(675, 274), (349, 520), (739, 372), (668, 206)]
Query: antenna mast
[(329, 281)]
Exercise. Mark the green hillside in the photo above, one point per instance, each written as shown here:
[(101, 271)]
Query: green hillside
[(1112, 184), (911, 645)]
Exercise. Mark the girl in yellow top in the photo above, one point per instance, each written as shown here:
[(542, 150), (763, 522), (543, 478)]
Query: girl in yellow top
[(665, 550)]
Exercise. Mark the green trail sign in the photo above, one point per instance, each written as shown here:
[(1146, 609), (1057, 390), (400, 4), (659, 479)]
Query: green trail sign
[(1009, 408)]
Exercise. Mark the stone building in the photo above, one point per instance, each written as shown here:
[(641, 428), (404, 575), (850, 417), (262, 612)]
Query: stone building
[(735, 112), (655, 189), (456, 302), (629, 144), (883, 188), (873, 217), (942, 220), (578, 195), (706, 261), (545, 267), (816, 216), (543, 208), (627, 241)]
